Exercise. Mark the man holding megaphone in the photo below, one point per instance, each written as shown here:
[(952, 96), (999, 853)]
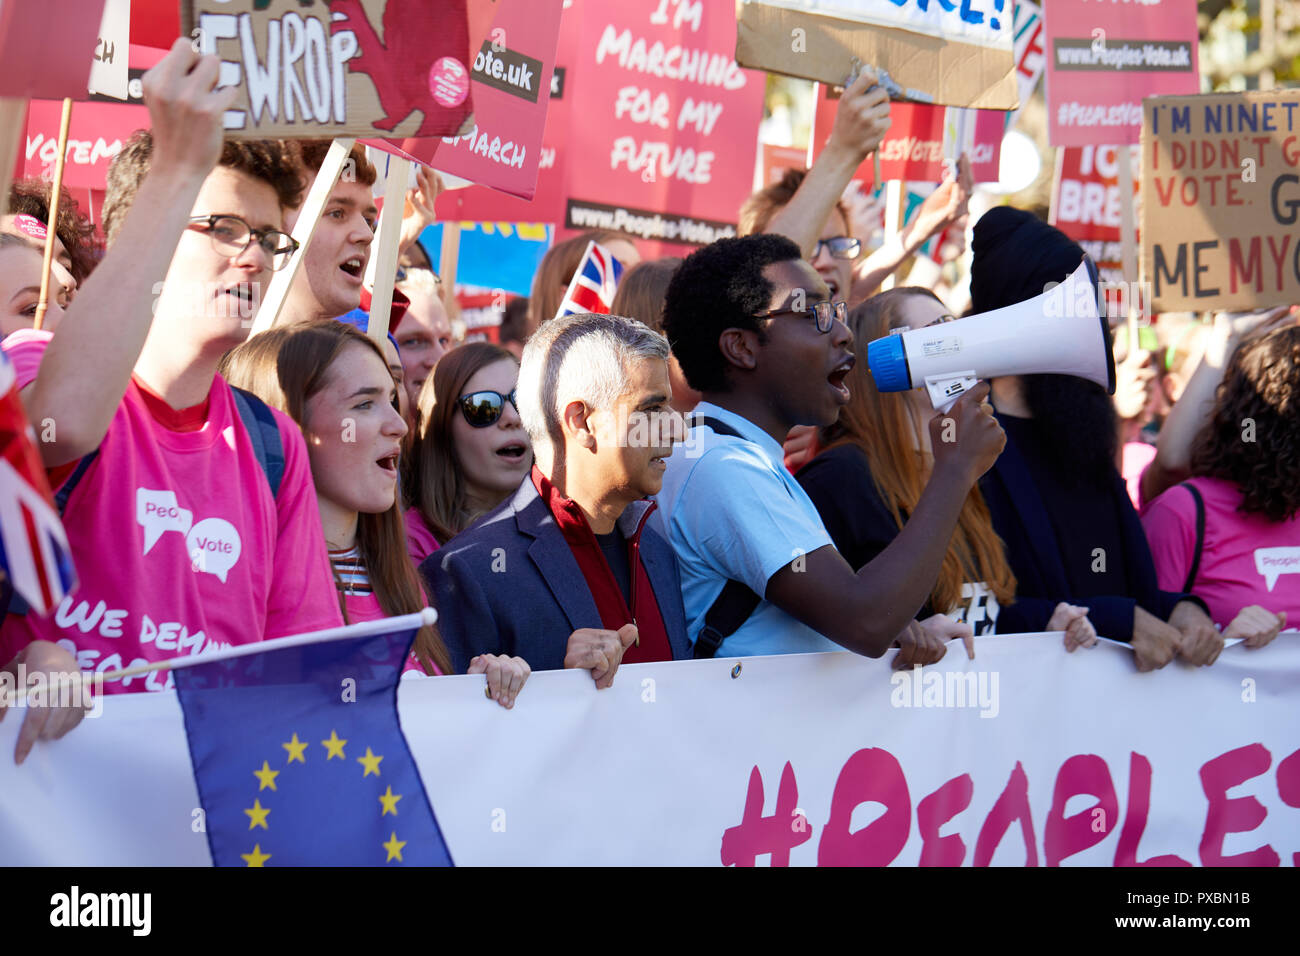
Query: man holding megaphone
[(1056, 500), (755, 331)]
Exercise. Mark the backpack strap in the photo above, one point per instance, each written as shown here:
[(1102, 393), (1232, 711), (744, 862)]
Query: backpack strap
[(264, 433), (736, 602), (1200, 536)]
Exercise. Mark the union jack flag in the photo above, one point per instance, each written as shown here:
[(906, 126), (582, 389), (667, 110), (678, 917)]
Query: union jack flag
[(594, 284), (34, 550)]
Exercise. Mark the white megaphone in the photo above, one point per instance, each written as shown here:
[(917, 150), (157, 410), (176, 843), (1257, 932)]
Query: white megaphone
[(1062, 332)]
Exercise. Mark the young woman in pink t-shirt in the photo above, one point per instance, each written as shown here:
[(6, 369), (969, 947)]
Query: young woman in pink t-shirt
[(472, 451), (335, 383), (1244, 561)]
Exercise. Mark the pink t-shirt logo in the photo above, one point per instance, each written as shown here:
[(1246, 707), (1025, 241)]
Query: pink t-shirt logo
[(213, 543), (1274, 562)]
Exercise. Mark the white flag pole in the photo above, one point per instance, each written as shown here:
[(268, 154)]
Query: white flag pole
[(303, 230)]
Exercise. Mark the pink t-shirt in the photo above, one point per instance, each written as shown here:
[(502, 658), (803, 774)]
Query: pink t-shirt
[(1245, 559), (1137, 456), (365, 607), (177, 541), (420, 542)]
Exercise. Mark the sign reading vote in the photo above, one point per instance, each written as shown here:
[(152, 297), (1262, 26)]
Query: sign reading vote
[(343, 68), (1221, 200)]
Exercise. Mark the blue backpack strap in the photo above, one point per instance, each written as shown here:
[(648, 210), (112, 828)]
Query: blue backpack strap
[(264, 433)]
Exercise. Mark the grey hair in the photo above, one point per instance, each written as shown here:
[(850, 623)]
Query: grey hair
[(583, 357)]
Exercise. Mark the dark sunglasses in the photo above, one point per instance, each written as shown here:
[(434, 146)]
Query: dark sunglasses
[(482, 409)]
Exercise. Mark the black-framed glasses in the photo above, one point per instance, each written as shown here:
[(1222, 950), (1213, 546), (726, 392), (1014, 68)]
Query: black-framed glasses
[(484, 408), (841, 247), (231, 236), (823, 313)]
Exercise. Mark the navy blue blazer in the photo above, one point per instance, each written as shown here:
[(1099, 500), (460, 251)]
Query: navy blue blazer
[(1021, 521), (509, 584)]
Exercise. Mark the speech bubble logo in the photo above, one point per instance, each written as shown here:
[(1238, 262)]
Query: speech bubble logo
[(1275, 562), (214, 546), (157, 512)]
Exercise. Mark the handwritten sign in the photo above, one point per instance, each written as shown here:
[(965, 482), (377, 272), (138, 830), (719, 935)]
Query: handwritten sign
[(957, 54), (108, 71), (1221, 199), (347, 68), (1103, 58)]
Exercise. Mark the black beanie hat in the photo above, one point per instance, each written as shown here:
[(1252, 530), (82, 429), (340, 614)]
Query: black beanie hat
[(1016, 255)]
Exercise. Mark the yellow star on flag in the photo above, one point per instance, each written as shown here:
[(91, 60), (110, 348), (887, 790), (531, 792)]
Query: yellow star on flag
[(370, 762), (257, 815), (389, 800), (334, 745), (295, 748), (393, 846), (257, 857), (266, 775)]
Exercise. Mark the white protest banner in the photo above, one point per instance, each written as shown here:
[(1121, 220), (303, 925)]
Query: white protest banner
[(1027, 33), (108, 71), (956, 54), (1025, 754)]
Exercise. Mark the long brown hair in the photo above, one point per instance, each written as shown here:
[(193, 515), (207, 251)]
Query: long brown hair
[(435, 479), (556, 272), (642, 289), (883, 426), (285, 367), (1261, 386)]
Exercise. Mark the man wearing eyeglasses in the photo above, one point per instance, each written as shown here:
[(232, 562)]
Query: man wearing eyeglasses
[(755, 331), (186, 537)]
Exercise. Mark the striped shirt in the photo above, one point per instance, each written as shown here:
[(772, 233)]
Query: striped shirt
[(350, 571)]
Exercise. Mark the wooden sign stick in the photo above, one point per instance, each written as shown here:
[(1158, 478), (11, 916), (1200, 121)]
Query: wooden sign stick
[(382, 268), (895, 212), (1128, 238), (43, 303), (303, 230)]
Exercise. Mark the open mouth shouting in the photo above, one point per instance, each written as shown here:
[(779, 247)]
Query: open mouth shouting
[(388, 465), (838, 375), (512, 452), (354, 268)]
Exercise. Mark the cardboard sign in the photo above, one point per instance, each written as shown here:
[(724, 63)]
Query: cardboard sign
[(1104, 58), (958, 54), (913, 149), (390, 68), (1221, 200), (47, 47), (664, 124)]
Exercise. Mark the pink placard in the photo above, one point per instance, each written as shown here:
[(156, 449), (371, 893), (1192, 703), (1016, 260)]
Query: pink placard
[(913, 148), (1104, 57), (47, 47)]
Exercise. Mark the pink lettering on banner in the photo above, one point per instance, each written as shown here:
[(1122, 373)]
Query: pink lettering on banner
[(936, 810), (1066, 836), (757, 834), (1236, 814), (868, 776), (1288, 787), (1135, 821), (1011, 806)]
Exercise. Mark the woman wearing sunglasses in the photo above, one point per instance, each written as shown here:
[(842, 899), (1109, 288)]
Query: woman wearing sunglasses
[(871, 475), (472, 451), (334, 382)]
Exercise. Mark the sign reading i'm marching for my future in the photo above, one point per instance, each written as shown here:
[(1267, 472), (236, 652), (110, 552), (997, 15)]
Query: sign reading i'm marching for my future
[(343, 68), (1221, 200), (954, 53), (1103, 58)]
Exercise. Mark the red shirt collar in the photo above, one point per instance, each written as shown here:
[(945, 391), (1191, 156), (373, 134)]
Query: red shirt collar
[(176, 419)]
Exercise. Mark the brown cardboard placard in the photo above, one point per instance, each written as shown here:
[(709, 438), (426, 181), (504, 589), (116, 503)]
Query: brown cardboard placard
[(1221, 200), (373, 68), (811, 43)]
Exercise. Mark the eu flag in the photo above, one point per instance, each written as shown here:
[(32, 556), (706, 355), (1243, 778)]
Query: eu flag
[(299, 756)]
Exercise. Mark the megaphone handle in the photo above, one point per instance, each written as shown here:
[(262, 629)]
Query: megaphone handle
[(945, 390)]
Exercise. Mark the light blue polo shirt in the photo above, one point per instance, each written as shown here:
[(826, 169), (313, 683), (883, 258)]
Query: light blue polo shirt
[(733, 511)]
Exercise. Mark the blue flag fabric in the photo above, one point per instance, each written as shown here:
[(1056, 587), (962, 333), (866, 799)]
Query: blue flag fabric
[(300, 759)]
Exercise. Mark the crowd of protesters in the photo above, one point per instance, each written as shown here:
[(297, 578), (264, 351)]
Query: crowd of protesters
[(710, 470)]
